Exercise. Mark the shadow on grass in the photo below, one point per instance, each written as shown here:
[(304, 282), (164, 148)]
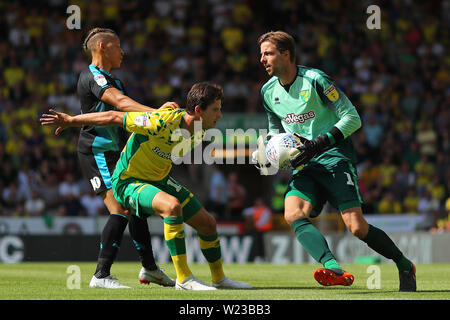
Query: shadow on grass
[(371, 291), (302, 288), (431, 291), (281, 288)]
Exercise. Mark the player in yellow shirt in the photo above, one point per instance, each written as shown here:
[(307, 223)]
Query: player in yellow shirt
[(141, 180)]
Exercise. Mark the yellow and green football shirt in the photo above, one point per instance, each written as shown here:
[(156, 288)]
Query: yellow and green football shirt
[(148, 152)]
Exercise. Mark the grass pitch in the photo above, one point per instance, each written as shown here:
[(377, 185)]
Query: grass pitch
[(49, 281)]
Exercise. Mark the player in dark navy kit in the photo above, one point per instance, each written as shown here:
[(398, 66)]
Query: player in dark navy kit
[(99, 149)]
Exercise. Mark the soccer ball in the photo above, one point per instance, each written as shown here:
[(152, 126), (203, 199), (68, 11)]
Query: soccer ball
[(278, 147)]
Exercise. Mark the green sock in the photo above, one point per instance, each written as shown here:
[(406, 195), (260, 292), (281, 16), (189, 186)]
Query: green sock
[(312, 240), (380, 242), (404, 264), (332, 264)]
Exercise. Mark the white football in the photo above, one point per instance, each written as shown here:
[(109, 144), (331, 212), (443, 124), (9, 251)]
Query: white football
[(278, 149)]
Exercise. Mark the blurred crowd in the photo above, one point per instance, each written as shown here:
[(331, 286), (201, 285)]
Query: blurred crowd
[(397, 77)]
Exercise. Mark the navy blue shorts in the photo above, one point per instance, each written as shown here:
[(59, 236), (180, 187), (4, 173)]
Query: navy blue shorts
[(98, 168)]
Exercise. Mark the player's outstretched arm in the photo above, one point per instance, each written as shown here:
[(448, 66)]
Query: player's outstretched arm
[(114, 97), (124, 103), (63, 120)]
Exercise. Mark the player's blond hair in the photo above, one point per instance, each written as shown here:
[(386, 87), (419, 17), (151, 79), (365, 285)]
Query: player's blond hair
[(96, 34), (282, 41)]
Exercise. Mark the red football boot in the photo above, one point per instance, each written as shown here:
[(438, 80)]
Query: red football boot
[(333, 277)]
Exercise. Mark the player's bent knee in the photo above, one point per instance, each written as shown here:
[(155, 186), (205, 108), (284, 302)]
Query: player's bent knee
[(291, 216), (355, 222), (358, 231), (127, 213), (296, 208), (203, 222), (174, 208), (166, 205), (211, 226)]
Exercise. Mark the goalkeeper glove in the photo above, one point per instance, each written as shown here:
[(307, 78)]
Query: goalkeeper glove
[(259, 157), (308, 150)]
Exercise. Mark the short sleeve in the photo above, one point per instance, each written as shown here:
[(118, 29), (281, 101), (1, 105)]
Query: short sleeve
[(96, 81), (140, 122), (98, 84), (159, 122)]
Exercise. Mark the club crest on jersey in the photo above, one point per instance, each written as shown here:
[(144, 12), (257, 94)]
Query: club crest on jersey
[(298, 118), (331, 93), (100, 79), (304, 94)]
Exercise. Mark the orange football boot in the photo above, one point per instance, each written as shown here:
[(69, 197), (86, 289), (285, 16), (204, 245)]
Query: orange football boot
[(333, 277)]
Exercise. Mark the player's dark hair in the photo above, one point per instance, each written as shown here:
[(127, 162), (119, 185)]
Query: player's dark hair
[(93, 32), (203, 94), (282, 41)]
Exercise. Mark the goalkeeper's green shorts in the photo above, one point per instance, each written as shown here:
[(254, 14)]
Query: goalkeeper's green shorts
[(318, 185), (137, 195)]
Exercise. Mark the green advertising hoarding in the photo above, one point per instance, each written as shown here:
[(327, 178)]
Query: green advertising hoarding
[(241, 128)]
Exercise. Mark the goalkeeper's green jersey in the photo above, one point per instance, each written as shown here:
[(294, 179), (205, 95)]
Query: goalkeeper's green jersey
[(311, 106)]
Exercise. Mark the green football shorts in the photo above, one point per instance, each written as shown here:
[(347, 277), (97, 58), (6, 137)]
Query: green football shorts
[(318, 185), (137, 195)]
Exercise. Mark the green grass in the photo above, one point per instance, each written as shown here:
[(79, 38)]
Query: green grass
[(47, 281)]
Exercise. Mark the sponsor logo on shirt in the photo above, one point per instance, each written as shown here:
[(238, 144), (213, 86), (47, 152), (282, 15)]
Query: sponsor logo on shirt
[(299, 118), (141, 120), (100, 79), (162, 154)]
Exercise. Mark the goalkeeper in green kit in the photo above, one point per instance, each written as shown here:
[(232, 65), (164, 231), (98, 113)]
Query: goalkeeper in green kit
[(305, 102)]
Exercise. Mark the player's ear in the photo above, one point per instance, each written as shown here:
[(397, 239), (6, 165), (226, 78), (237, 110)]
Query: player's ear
[(101, 45), (197, 109)]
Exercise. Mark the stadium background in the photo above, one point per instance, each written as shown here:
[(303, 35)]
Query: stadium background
[(397, 77)]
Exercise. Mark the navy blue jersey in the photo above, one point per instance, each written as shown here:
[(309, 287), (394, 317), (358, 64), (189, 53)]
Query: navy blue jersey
[(92, 83)]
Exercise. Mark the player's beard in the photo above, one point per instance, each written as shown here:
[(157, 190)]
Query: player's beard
[(276, 70), (209, 125), (279, 71)]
